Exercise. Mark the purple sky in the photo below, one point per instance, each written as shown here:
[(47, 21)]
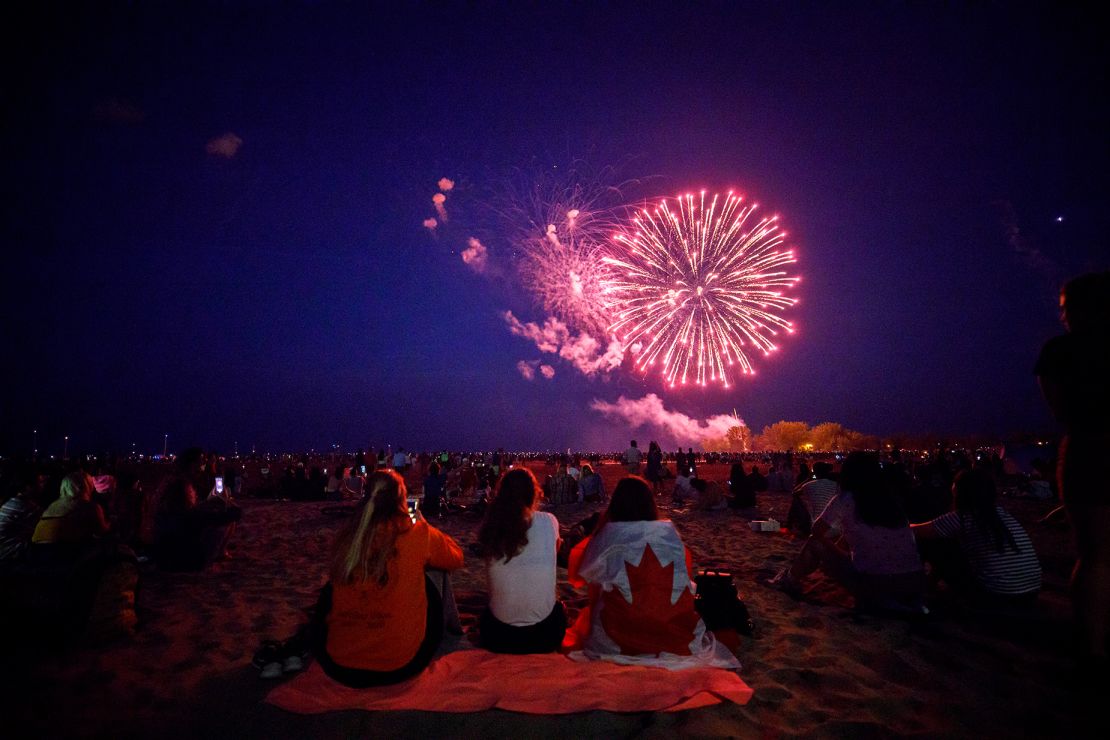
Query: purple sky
[(213, 220)]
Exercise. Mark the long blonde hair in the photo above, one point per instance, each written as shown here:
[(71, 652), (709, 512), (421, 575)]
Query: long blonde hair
[(368, 541)]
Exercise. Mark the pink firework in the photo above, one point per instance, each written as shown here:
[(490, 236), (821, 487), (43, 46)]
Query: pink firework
[(699, 283)]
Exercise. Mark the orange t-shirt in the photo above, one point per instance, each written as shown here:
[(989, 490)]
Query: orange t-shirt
[(380, 628)]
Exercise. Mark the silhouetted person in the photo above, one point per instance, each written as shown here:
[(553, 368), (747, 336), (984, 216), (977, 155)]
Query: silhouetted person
[(1074, 373)]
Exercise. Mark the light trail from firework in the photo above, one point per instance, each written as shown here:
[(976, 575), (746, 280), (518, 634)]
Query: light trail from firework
[(699, 287)]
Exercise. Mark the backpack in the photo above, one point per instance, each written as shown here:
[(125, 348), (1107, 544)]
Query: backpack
[(718, 603)]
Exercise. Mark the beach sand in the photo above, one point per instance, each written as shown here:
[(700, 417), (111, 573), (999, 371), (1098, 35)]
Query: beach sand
[(818, 668)]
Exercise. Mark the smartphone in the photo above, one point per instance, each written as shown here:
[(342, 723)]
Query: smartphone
[(412, 509), (363, 469), (219, 485)]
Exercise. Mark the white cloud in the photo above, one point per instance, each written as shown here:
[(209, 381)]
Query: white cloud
[(650, 412), (476, 256), (527, 369), (582, 350), (547, 371), (226, 146)]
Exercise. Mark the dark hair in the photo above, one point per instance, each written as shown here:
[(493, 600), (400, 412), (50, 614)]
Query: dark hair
[(504, 531), (190, 457), (632, 501), (1087, 303), (862, 476), (433, 469), (975, 497)]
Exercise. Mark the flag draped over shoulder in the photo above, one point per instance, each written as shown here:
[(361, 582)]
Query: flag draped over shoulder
[(642, 600)]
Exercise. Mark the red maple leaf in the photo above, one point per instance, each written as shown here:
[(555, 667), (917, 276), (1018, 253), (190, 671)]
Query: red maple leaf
[(650, 623)]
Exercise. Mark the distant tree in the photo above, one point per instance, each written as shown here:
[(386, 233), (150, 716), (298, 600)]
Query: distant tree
[(784, 435), (738, 439)]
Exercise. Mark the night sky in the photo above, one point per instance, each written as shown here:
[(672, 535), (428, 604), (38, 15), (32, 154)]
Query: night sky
[(213, 214)]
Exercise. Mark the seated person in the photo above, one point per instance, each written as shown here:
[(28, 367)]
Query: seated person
[(380, 619), (18, 517), (190, 535), (519, 544), (641, 599), (73, 519), (741, 493), (561, 488), (590, 486), (991, 557), (683, 488), (710, 497), (811, 498), (863, 541)]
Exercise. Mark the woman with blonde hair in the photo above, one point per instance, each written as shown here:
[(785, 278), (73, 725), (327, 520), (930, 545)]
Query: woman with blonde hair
[(379, 619), (73, 519)]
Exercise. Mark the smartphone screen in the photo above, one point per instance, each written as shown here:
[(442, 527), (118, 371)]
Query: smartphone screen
[(219, 485), (412, 509), (363, 468)]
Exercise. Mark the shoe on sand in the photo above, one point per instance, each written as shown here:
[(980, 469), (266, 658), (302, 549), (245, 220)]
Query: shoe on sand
[(268, 652), (784, 582), (271, 670)]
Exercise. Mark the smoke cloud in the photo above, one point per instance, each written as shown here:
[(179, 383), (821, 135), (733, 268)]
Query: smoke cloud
[(649, 412), (430, 224), (581, 350), (439, 199), (226, 146), (547, 371), (445, 184), (476, 256), (527, 369)]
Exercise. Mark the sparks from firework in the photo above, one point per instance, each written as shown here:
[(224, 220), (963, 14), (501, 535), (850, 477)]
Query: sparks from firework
[(700, 285), (558, 225)]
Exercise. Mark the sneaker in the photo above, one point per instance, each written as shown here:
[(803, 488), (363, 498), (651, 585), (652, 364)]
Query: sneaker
[(784, 582), (271, 671), (268, 652)]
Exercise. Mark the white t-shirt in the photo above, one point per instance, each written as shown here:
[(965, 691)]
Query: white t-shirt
[(522, 590), (875, 550)]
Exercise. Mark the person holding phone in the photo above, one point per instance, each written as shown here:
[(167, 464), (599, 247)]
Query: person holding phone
[(380, 618)]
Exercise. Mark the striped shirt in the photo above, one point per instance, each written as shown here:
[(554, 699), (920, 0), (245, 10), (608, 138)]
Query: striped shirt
[(1008, 572)]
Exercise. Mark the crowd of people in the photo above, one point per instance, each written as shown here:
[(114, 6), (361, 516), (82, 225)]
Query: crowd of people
[(889, 528)]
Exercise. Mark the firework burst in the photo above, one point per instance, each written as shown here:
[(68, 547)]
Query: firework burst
[(559, 225), (698, 284)]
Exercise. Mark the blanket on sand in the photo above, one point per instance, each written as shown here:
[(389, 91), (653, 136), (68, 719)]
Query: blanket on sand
[(476, 680)]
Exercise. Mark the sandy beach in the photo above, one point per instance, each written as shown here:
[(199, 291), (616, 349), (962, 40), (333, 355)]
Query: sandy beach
[(818, 668)]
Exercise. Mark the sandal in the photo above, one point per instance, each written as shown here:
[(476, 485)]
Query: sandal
[(268, 659)]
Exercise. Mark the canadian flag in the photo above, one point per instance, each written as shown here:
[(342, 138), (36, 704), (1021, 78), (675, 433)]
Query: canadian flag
[(641, 600)]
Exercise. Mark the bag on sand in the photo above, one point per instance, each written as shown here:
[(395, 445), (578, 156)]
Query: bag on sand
[(718, 603)]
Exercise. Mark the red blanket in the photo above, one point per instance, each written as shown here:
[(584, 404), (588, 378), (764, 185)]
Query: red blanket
[(475, 680)]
